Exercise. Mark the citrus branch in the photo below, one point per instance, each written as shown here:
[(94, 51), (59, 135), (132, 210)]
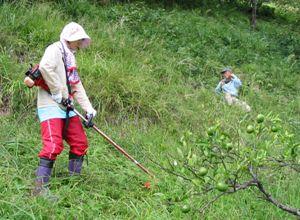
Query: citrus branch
[(170, 171), (268, 197), (236, 188), (282, 163)]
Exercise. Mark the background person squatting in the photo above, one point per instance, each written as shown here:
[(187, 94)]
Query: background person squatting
[(229, 85)]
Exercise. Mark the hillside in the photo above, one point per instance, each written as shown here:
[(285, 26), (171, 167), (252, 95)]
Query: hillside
[(150, 73)]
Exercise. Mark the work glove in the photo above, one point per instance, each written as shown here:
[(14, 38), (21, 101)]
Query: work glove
[(57, 97), (68, 103), (90, 114), (91, 111)]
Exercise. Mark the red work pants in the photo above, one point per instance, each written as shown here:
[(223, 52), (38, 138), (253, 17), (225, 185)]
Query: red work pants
[(52, 137)]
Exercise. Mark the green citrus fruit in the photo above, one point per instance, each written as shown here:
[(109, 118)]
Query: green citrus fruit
[(211, 131), (202, 171), (221, 186), (274, 128), (185, 208), (250, 129), (260, 118)]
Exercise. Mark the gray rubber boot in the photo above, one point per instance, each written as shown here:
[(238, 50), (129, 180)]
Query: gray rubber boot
[(43, 174)]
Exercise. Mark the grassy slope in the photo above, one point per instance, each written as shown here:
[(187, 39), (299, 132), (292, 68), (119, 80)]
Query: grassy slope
[(151, 73)]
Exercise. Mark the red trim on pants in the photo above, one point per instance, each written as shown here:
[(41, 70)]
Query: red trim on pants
[(52, 130)]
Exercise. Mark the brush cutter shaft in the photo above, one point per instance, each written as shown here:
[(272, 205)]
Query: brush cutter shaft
[(120, 149)]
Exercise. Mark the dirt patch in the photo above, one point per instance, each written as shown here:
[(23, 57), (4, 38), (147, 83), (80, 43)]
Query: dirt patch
[(4, 106), (4, 112)]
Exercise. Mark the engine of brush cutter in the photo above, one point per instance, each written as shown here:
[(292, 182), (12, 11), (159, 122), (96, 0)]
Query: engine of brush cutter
[(33, 77)]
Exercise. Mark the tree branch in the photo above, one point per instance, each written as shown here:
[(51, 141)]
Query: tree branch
[(202, 209), (269, 198), (242, 186), (236, 188), (170, 171), (282, 163)]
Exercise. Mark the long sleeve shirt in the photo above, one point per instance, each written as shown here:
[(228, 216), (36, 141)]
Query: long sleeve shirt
[(53, 72), (231, 87)]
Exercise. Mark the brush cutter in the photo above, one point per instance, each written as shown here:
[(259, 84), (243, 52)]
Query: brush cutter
[(120, 149)]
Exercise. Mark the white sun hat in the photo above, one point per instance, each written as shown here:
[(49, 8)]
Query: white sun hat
[(74, 32)]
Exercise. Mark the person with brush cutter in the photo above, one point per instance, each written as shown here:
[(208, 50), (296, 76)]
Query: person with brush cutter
[(59, 72), (58, 83)]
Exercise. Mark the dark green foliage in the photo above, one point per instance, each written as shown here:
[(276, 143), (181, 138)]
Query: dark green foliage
[(267, 11)]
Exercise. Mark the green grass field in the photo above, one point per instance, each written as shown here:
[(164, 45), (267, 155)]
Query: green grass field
[(150, 73)]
